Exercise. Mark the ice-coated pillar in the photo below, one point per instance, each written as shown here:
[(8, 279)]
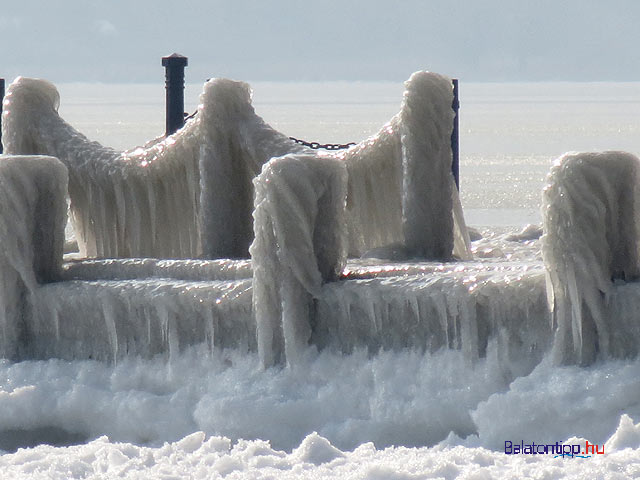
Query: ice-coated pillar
[(33, 213), (427, 183), (300, 243), (174, 73), (591, 231)]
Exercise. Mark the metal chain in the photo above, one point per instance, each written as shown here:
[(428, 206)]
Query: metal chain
[(313, 145), (326, 146)]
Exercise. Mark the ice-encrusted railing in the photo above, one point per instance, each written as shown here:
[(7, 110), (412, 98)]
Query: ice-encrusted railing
[(591, 248), (397, 191), (33, 211), (185, 196)]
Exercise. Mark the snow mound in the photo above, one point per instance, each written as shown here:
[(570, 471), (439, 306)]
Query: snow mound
[(627, 435), (316, 450)]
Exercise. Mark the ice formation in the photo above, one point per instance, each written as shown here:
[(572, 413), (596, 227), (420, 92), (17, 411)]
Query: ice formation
[(590, 244), (400, 187), (398, 190), (191, 194), (235, 144), (299, 244), (146, 202), (137, 203), (300, 298), (32, 218)]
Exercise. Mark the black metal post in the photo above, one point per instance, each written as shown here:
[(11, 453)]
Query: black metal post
[(1, 101), (455, 135), (174, 74)]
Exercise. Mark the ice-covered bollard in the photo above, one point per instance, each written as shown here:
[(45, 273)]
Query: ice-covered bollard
[(300, 243), (235, 144), (591, 224), (427, 204), (401, 189), (33, 214)]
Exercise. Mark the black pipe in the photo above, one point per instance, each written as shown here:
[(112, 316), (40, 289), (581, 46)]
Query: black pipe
[(455, 135), (1, 101), (174, 74)]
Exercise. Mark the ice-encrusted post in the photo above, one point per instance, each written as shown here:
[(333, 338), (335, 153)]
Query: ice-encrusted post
[(592, 238), (427, 182), (1, 101), (33, 212), (455, 135), (174, 73), (300, 244)]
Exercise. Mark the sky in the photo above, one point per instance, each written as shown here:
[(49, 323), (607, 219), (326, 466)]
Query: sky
[(475, 40)]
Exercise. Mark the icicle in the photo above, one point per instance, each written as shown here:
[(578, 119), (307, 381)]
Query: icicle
[(110, 324)]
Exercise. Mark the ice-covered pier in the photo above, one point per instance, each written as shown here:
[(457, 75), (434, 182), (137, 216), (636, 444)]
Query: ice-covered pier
[(168, 229)]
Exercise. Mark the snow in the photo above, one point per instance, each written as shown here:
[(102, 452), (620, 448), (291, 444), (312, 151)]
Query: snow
[(202, 416)]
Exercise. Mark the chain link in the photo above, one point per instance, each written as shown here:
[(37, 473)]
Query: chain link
[(325, 146)]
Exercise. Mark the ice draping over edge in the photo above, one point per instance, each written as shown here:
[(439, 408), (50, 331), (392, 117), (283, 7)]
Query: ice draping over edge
[(300, 243), (32, 216), (590, 211), (142, 202)]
